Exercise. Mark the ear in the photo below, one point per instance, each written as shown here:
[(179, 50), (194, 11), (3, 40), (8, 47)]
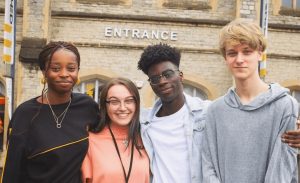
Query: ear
[(181, 76)]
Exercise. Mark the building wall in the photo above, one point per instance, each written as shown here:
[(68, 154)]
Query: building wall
[(196, 24)]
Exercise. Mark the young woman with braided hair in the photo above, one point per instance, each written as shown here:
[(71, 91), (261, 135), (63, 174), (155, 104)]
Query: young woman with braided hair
[(49, 137)]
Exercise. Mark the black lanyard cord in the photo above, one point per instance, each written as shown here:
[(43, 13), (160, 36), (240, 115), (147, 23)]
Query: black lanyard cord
[(131, 156)]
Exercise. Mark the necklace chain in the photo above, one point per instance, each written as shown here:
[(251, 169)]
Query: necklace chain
[(62, 115)]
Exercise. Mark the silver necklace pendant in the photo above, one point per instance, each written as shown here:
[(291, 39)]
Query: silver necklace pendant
[(125, 142), (62, 115)]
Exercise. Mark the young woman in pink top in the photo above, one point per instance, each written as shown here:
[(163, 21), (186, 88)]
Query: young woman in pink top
[(116, 152)]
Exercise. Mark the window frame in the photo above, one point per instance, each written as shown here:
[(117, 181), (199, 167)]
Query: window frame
[(291, 10), (96, 86)]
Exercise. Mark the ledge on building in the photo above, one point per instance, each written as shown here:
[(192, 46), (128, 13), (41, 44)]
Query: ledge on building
[(190, 5), (102, 2), (30, 49)]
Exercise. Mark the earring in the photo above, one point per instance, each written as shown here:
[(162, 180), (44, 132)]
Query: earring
[(78, 81), (43, 80)]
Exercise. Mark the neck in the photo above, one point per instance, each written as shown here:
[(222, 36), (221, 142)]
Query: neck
[(58, 98), (118, 129), (247, 90), (171, 107)]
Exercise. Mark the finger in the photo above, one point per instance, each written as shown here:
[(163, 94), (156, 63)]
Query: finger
[(293, 132), (294, 145), (292, 141), (290, 137)]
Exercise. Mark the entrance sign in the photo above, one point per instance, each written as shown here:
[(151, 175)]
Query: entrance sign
[(140, 33)]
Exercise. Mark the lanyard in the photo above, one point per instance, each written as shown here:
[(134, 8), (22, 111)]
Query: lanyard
[(131, 156)]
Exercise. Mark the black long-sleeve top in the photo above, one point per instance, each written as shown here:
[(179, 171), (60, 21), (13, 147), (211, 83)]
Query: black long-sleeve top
[(40, 152)]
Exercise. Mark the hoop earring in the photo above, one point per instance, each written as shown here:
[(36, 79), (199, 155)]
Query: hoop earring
[(78, 81), (43, 80)]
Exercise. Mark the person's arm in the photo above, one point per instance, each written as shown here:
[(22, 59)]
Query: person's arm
[(292, 137), (86, 168), (209, 148), (15, 159), (283, 163)]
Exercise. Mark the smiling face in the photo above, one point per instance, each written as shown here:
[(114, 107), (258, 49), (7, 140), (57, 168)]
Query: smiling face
[(62, 72), (121, 105), (170, 88), (242, 61)]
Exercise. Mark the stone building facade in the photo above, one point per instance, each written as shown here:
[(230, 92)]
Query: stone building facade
[(111, 35)]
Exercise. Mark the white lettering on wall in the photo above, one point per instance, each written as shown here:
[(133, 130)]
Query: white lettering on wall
[(140, 33), (108, 32)]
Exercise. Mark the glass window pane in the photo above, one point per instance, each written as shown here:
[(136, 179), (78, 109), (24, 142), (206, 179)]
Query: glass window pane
[(287, 3), (193, 91), (298, 4)]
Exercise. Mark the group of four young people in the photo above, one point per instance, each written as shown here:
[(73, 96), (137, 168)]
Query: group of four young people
[(237, 138)]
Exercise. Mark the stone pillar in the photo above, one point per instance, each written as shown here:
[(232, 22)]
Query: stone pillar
[(248, 9), (36, 16), (35, 33)]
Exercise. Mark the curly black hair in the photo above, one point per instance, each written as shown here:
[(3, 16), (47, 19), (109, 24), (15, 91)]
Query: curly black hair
[(157, 53)]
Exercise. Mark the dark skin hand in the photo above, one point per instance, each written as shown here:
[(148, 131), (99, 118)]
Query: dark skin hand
[(292, 137)]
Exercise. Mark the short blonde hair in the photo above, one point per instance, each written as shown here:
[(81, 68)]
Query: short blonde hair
[(241, 32)]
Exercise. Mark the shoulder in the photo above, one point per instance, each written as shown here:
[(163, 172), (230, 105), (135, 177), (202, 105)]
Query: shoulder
[(97, 137), (79, 97), (27, 106), (23, 114), (218, 102), (83, 100), (289, 104), (196, 102)]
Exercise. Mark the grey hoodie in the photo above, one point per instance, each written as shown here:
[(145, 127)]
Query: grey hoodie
[(242, 143)]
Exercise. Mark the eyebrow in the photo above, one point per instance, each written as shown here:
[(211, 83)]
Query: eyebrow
[(162, 72), (230, 50), (248, 48), (113, 97)]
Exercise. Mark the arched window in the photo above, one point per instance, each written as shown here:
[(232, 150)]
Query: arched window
[(195, 92), (90, 87)]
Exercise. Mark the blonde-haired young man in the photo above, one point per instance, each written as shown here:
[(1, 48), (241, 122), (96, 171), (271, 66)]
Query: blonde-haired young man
[(242, 142)]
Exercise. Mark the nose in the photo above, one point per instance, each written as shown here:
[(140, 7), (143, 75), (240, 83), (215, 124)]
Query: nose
[(162, 79), (63, 73), (239, 58), (122, 106)]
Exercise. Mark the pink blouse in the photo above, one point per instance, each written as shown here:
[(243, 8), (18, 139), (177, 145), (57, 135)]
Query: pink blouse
[(103, 165)]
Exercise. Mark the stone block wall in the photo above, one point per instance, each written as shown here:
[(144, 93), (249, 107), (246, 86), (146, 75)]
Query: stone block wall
[(85, 23)]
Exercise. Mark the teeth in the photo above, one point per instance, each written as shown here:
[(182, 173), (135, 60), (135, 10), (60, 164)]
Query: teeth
[(122, 115)]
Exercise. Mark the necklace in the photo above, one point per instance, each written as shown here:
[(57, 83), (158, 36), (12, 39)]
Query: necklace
[(126, 176), (125, 142), (62, 115)]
